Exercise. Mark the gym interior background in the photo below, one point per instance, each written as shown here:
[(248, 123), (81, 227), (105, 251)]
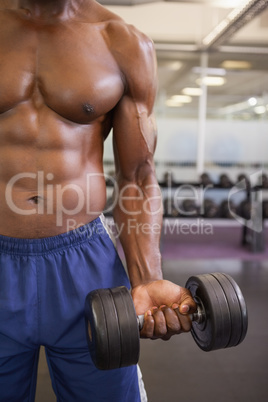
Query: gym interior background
[(212, 116)]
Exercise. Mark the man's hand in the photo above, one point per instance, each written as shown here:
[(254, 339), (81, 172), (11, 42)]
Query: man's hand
[(166, 307)]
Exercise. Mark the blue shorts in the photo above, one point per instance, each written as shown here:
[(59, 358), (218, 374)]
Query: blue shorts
[(43, 285)]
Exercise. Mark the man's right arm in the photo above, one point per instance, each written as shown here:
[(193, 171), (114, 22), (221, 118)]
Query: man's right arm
[(139, 209)]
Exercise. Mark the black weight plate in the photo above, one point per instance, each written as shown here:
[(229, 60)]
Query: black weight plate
[(104, 325), (128, 326), (234, 307), (96, 330), (243, 307), (222, 319), (113, 331), (215, 330)]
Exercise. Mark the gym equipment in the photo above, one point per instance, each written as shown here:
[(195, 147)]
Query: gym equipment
[(170, 209), (264, 181), (113, 328), (168, 180), (225, 209), (206, 180), (242, 181), (265, 209), (252, 210), (225, 181), (189, 208), (244, 209), (210, 208)]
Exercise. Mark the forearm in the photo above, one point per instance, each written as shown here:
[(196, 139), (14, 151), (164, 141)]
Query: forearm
[(138, 217)]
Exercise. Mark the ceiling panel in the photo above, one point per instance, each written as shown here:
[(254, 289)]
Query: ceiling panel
[(173, 22)]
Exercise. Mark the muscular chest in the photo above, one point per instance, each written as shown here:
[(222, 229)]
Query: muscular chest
[(67, 68)]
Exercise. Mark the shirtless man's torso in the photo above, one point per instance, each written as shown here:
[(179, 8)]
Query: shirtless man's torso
[(62, 86)]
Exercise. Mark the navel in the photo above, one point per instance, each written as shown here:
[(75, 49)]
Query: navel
[(36, 199)]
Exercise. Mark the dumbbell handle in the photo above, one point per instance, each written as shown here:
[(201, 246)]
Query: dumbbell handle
[(198, 316)]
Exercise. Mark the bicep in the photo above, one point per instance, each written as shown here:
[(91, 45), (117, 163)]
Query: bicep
[(134, 127), (134, 137)]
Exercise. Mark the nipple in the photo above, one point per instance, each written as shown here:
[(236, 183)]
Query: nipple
[(88, 108)]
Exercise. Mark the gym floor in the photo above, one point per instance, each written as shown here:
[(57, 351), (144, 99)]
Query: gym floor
[(178, 370)]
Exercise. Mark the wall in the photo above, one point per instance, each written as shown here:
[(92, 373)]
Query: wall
[(231, 146)]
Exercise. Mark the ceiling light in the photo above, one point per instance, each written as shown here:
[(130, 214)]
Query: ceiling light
[(172, 103), (209, 70), (181, 98), (245, 106), (211, 81), (236, 64), (192, 91), (260, 109), (252, 101), (174, 66)]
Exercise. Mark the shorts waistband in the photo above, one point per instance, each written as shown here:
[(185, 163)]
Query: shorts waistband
[(88, 232)]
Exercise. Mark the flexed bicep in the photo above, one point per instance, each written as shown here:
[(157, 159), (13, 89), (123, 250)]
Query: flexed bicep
[(134, 127), (134, 133)]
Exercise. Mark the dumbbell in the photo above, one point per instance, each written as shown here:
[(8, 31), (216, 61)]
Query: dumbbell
[(224, 181), (211, 209), (189, 208), (112, 326)]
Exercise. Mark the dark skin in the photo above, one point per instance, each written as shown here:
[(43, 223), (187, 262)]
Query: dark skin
[(70, 71)]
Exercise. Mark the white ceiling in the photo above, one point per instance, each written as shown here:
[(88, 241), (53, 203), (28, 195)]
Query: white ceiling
[(189, 21)]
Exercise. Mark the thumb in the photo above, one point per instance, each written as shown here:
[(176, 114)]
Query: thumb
[(187, 305)]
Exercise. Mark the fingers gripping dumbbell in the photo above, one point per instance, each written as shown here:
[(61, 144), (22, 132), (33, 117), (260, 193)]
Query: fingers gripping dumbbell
[(198, 316), (113, 327)]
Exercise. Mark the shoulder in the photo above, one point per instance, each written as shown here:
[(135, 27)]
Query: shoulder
[(133, 53), (135, 56), (125, 42), (128, 44)]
